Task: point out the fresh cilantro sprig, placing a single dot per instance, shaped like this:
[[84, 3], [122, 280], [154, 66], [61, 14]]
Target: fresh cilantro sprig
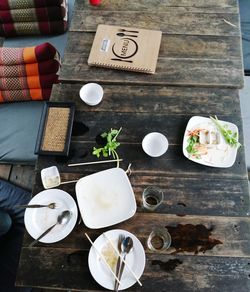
[[230, 137], [110, 147], [192, 141]]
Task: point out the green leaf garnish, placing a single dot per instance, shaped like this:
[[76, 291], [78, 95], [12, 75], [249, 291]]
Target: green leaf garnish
[[111, 146], [230, 137], [192, 141]]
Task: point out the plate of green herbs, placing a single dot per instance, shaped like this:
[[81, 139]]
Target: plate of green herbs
[[211, 142]]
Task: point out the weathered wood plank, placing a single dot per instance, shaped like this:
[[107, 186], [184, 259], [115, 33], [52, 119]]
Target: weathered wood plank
[[182, 196], [172, 46], [169, 71], [229, 6], [23, 176], [136, 126], [67, 269], [155, 100], [221, 69], [172, 164], [174, 21], [5, 170], [201, 235]]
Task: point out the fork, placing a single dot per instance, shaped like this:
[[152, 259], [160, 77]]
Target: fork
[[51, 206]]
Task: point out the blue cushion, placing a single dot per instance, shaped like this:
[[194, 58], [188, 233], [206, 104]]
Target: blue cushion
[[10, 244], [245, 29], [18, 131]]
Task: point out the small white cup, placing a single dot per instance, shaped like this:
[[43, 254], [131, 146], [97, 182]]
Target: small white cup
[[50, 177], [155, 144], [91, 93]]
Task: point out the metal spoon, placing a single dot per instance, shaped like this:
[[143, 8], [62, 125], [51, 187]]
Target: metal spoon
[[51, 206], [118, 264], [126, 246], [124, 30], [62, 219], [121, 34]]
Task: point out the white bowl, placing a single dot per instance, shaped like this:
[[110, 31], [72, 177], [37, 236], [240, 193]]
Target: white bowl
[[91, 93], [50, 177], [155, 144]]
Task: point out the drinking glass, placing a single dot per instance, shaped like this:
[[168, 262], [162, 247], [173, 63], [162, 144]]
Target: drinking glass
[[159, 239], [152, 197]]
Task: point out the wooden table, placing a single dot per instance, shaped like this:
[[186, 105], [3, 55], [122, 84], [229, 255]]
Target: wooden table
[[205, 209]]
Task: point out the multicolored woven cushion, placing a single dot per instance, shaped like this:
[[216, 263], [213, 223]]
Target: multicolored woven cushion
[[13, 29], [33, 17], [25, 94], [28, 73], [33, 14], [32, 69], [19, 4], [20, 56]]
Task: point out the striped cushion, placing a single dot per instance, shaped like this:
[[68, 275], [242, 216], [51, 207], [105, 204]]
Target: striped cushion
[[28, 73], [33, 17]]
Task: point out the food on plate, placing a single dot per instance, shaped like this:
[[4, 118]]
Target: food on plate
[[51, 182], [209, 137], [230, 137], [211, 142], [110, 255], [204, 141], [204, 137]]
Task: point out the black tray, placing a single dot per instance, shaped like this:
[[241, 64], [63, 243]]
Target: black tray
[[55, 129]]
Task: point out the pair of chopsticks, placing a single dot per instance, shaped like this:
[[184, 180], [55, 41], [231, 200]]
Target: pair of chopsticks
[[117, 252], [95, 162]]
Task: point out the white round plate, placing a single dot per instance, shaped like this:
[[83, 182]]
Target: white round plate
[[136, 260], [37, 220]]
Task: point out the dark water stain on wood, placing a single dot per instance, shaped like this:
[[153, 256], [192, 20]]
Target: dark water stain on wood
[[167, 266], [77, 258], [79, 129], [73, 157], [100, 140], [83, 154], [181, 204], [64, 159], [192, 238]]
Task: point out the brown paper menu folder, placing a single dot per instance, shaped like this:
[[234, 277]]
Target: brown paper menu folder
[[125, 48]]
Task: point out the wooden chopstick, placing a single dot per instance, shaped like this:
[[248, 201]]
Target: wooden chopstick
[[126, 264], [94, 162], [102, 257], [68, 182]]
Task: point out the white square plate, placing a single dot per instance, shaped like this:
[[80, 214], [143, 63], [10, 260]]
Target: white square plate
[[221, 155], [105, 198]]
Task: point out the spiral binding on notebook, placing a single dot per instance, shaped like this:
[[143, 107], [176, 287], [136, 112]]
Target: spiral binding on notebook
[[120, 67]]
